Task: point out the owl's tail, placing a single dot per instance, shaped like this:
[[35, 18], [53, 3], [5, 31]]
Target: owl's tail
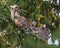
[[41, 33]]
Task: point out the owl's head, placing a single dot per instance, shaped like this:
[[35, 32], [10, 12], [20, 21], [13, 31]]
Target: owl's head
[[14, 8]]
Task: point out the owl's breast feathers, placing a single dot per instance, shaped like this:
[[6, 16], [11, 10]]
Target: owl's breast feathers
[[21, 20]]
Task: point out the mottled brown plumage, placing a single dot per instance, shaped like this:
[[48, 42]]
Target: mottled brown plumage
[[26, 23]]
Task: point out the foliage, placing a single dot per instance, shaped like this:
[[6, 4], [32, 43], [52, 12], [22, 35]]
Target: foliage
[[12, 36]]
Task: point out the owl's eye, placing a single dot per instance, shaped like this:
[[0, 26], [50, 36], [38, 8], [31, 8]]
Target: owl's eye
[[12, 8], [16, 7]]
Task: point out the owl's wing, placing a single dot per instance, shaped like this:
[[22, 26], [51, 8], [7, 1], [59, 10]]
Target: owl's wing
[[41, 33]]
